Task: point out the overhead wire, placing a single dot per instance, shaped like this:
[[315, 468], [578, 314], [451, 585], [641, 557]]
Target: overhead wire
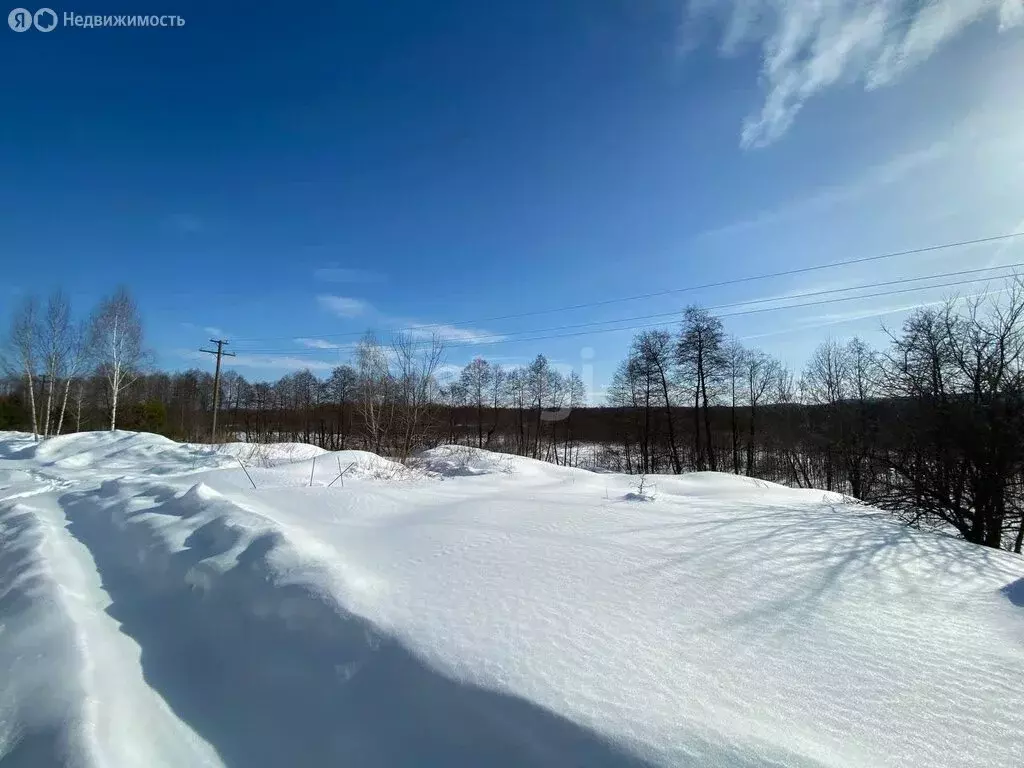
[[666, 292], [515, 336]]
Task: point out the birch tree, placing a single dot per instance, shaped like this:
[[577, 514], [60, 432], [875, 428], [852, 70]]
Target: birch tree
[[374, 383], [77, 360], [55, 350], [24, 342], [116, 337]]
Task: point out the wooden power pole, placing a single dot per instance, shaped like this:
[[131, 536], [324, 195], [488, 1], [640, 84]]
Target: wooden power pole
[[219, 352]]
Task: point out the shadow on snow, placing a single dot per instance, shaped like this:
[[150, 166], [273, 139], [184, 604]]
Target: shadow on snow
[[273, 674]]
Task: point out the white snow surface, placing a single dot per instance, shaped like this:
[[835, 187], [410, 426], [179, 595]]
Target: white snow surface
[[479, 609]]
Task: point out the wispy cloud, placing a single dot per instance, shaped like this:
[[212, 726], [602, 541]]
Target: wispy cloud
[[452, 333], [283, 362], [211, 330], [887, 174], [343, 306], [809, 45], [347, 275], [318, 344], [261, 362], [879, 311]]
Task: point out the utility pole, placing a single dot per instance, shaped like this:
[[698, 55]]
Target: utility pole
[[219, 352]]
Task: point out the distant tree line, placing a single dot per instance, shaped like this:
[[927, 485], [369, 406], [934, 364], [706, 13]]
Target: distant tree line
[[931, 427]]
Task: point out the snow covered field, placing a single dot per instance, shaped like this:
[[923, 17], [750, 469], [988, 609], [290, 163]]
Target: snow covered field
[[481, 610]]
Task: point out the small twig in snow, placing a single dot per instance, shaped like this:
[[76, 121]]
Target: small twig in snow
[[341, 476], [246, 472]]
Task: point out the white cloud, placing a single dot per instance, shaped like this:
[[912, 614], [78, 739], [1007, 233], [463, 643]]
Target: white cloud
[[343, 306], [318, 344], [212, 330], [810, 45], [346, 275], [284, 362], [288, 363], [453, 333]]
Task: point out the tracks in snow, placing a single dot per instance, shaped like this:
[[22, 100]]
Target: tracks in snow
[[190, 631]]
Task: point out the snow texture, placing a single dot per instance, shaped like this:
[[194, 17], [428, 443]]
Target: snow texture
[[478, 609]]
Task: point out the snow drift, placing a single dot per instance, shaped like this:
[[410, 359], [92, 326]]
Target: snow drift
[[481, 610]]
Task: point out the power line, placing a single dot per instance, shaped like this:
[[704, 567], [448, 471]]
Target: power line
[[670, 291], [503, 338], [733, 314]]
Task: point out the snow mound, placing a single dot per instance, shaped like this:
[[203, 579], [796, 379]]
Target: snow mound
[[363, 464], [243, 631], [264, 454], [138, 453], [165, 617], [467, 461]]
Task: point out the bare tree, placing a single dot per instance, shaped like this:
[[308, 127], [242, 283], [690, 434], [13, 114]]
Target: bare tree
[[116, 337], [498, 375], [24, 341], [761, 372], [342, 386], [655, 350], [735, 357], [701, 356], [476, 379], [575, 397], [77, 360], [517, 386], [539, 381], [631, 388], [954, 449], [828, 373], [374, 387], [56, 339], [416, 365]]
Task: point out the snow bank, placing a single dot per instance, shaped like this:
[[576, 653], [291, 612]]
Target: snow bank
[[517, 613], [467, 461], [244, 630], [263, 454], [138, 453]]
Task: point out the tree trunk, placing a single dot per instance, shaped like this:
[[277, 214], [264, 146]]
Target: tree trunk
[[78, 409], [32, 404], [712, 464], [63, 407], [698, 457], [49, 406], [115, 386], [646, 444], [676, 467], [735, 434], [750, 443]]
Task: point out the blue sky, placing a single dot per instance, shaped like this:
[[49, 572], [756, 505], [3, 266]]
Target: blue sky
[[289, 179]]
